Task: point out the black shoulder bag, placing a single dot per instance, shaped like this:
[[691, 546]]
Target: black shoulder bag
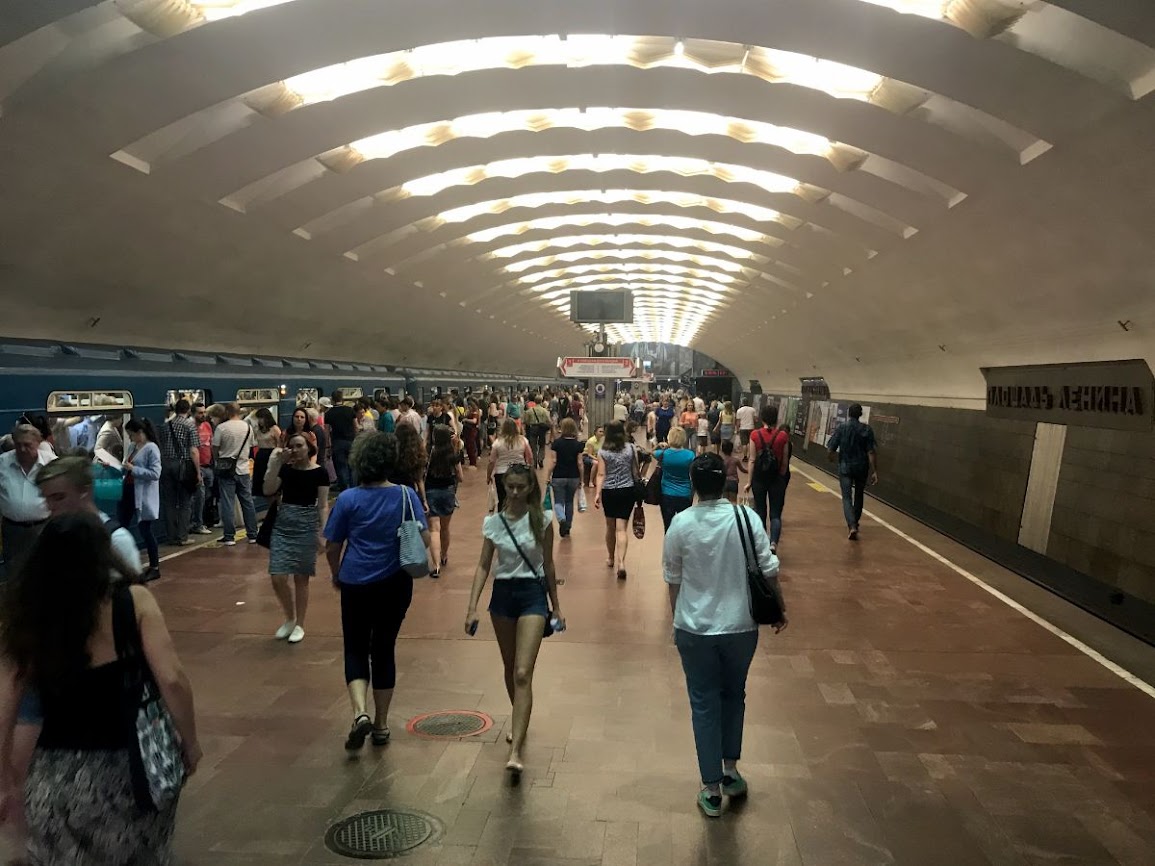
[[765, 599], [188, 473], [226, 467], [540, 578]]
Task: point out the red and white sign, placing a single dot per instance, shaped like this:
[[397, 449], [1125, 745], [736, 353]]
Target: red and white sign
[[597, 368]]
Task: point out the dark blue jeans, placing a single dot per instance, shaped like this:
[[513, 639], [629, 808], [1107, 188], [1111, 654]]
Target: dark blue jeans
[[564, 490], [341, 449], [716, 666], [853, 492], [769, 501]]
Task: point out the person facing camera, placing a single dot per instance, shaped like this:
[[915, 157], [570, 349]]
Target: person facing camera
[[705, 565]]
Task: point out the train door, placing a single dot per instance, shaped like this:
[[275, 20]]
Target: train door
[[81, 419]]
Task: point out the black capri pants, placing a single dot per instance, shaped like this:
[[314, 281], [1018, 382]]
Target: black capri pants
[[371, 617]]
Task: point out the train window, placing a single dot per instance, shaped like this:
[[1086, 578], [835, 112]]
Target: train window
[[70, 401], [352, 392], [381, 394], [193, 395], [258, 395], [308, 396]]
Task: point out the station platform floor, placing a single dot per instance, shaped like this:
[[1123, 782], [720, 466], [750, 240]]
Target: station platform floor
[[907, 715]]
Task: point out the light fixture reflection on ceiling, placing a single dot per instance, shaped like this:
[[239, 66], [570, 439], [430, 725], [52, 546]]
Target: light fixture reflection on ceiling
[[624, 240], [621, 280], [625, 253], [217, 10], [616, 220], [680, 270]]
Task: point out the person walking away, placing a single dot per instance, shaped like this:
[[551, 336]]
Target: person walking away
[[853, 445], [143, 467], [342, 428], [618, 473], [537, 426], [364, 556], [204, 494], [769, 460], [675, 459], [524, 586], [704, 562], [746, 419], [79, 796], [734, 468], [22, 508], [179, 445], [713, 418], [441, 480], [297, 531], [509, 449], [703, 432], [411, 463], [231, 441], [565, 474], [471, 427], [726, 423]]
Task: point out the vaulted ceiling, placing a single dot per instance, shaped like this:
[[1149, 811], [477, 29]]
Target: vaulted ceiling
[[892, 193]]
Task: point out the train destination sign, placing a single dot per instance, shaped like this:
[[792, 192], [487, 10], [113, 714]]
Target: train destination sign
[[1117, 395], [597, 368]]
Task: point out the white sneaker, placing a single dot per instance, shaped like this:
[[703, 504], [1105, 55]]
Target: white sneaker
[[285, 630], [298, 635], [204, 530]]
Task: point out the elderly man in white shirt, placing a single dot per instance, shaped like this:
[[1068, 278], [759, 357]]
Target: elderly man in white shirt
[[22, 508], [705, 566]]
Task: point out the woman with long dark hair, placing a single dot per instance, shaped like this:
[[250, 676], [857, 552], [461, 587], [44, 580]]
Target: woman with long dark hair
[[266, 437], [364, 555], [62, 622], [297, 532], [618, 471], [471, 425], [143, 466], [411, 462], [524, 585], [441, 480], [300, 423]]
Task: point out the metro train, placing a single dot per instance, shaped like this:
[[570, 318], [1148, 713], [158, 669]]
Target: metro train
[[75, 382]]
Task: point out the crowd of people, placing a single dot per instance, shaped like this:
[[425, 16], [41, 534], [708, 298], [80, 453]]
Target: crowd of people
[[74, 608]]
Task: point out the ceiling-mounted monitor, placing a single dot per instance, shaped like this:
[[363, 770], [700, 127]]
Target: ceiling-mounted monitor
[[602, 308]]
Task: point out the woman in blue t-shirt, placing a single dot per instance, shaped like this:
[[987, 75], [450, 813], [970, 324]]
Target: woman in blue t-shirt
[[675, 459], [365, 560]]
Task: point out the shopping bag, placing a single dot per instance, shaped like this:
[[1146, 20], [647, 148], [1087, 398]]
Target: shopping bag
[[491, 502], [547, 502], [582, 504], [414, 557], [639, 521]]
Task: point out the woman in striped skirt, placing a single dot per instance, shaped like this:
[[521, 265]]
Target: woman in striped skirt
[[301, 514]]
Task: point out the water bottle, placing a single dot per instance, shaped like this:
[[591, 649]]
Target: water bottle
[[557, 625]]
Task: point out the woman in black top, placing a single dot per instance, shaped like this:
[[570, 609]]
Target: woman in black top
[[60, 637], [565, 473], [297, 533], [441, 482]]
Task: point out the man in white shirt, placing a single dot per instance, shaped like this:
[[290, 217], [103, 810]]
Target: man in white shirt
[[699, 405], [746, 417], [66, 485], [22, 508], [621, 411], [232, 443], [410, 416]]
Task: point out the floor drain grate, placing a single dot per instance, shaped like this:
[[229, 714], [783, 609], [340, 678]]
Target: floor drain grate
[[450, 725], [380, 834]]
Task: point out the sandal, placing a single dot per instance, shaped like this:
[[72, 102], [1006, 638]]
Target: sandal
[[621, 574], [362, 725], [444, 561], [380, 736]]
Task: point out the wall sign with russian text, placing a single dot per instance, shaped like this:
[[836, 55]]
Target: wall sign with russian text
[[1117, 395]]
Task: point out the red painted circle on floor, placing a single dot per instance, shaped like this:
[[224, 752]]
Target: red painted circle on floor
[[449, 724]]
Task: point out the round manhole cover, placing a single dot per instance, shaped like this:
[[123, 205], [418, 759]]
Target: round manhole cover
[[380, 834], [450, 725]]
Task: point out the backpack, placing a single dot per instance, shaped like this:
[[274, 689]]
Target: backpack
[[513, 411], [766, 466]]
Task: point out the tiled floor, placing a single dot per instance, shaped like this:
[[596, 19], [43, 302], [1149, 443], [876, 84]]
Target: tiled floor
[[906, 716]]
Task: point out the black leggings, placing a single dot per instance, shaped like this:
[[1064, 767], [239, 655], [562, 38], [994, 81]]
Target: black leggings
[[145, 527], [371, 617]]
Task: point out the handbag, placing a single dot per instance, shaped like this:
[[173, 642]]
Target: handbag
[[265, 531], [226, 467], [411, 546], [654, 487], [639, 521], [157, 763], [765, 599], [491, 498], [548, 630]]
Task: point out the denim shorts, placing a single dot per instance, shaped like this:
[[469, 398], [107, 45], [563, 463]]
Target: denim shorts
[[518, 597], [442, 501]]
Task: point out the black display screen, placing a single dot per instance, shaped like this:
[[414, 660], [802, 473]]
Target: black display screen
[[613, 307]]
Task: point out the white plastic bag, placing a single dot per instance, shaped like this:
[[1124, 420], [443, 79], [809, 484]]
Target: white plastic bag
[[582, 504], [491, 503]]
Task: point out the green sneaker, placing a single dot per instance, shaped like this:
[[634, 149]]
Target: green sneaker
[[733, 785], [709, 803]]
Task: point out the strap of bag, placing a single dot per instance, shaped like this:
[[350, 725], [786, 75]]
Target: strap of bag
[[407, 511], [751, 561], [524, 558]]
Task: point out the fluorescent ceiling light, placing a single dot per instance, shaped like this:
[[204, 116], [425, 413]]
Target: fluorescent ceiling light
[[615, 220], [679, 270], [615, 196], [623, 280], [603, 162], [217, 10], [643, 52], [387, 144], [624, 253]]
